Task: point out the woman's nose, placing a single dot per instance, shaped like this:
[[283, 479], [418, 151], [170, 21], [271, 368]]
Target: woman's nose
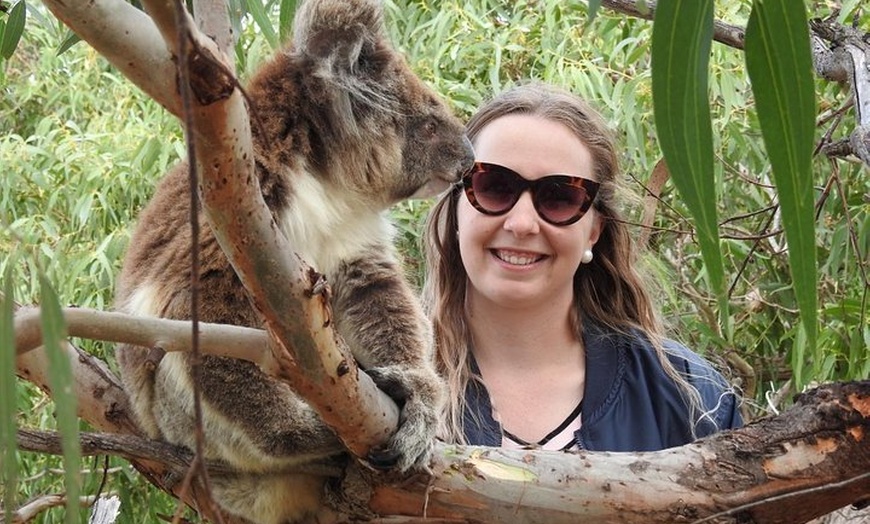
[[523, 219]]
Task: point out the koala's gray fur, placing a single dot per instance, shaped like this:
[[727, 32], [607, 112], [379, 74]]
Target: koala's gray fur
[[344, 130]]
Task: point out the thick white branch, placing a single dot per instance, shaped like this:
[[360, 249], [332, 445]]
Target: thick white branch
[[313, 359], [169, 335], [213, 19]]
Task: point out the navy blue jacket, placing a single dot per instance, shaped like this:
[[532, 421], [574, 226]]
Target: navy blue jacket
[[629, 403]]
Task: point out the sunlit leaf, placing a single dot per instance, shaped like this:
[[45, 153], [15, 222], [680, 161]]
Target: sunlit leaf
[[60, 380], [682, 37], [779, 63]]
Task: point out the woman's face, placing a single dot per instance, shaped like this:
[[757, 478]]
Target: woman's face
[[517, 260]]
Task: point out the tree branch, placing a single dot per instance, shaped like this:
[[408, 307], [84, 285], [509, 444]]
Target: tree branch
[[291, 296], [133, 447], [846, 58], [816, 455], [31, 510], [737, 469], [169, 335], [213, 19], [730, 35], [801, 456], [293, 299]]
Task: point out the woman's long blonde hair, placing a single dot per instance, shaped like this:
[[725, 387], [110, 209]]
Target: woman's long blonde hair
[[608, 291]]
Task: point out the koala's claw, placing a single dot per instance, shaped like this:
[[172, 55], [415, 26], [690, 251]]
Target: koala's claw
[[391, 382], [383, 458], [418, 394]]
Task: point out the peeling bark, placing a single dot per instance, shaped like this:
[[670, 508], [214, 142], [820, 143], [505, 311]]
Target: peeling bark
[[791, 468], [846, 58]]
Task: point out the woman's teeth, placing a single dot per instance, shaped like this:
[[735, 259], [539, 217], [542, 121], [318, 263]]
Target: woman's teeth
[[517, 259]]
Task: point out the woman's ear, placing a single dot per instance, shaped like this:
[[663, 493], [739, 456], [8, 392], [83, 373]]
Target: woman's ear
[[596, 228]]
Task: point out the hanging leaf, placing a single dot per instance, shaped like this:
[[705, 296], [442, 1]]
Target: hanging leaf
[[14, 29], [69, 40], [8, 444], [60, 380], [285, 18], [258, 12], [779, 63], [681, 41], [594, 5]]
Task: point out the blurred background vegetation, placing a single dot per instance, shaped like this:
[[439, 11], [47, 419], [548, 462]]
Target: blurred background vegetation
[[81, 150]]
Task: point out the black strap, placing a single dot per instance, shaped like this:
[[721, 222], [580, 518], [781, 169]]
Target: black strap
[[574, 414]]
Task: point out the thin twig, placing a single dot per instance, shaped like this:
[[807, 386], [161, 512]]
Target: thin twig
[[197, 468], [749, 255], [723, 33]]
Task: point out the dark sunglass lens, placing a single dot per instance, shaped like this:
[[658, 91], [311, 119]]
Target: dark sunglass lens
[[495, 190], [560, 203]]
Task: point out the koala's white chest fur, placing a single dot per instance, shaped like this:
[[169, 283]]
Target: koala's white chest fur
[[326, 226]]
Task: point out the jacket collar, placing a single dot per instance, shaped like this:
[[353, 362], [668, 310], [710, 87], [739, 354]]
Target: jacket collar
[[605, 366]]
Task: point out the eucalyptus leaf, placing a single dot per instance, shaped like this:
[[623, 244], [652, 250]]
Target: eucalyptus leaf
[[285, 18], [13, 30], [68, 41], [257, 9], [779, 63], [60, 380], [592, 11], [8, 444], [682, 37]]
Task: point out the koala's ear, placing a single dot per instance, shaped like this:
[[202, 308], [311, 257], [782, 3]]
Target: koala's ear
[[338, 33]]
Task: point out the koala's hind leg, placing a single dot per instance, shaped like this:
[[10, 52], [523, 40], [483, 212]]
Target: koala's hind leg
[[270, 499], [252, 421]]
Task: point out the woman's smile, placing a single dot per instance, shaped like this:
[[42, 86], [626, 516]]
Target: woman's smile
[[517, 258]]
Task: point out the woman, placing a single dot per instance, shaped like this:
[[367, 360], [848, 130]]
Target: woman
[[544, 330]]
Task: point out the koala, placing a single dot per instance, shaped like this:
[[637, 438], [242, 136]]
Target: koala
[[343, 130]]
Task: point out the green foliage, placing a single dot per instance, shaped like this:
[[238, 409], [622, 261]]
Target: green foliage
[[81, 152], [258, 11], [11, 29]]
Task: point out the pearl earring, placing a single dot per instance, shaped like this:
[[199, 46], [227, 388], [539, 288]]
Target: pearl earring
[[587, 257]]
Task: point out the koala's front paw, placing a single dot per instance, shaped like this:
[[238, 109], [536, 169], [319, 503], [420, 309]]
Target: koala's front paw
[[419, 394]]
